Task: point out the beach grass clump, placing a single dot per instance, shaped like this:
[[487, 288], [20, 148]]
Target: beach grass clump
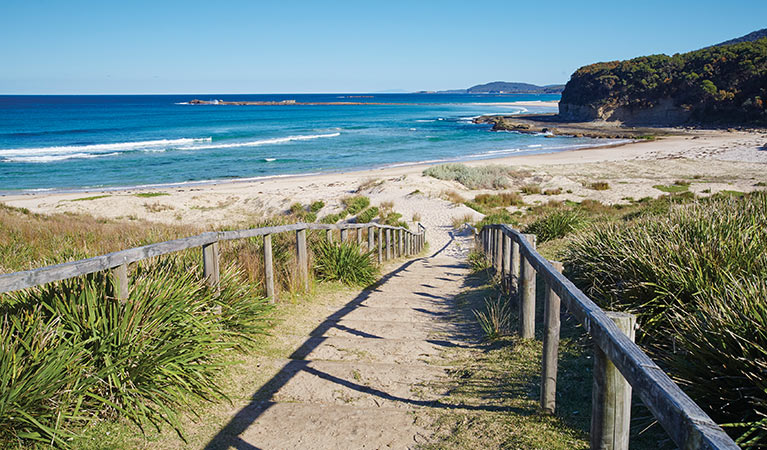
[[453, 196], [553, 191], [355, 204], [530, 189], [478, 262], [368, 215], [556, 224], [85, 199], [345, 262], [332, 218], [599, 186], [495, 319], [142, 359], [316, 206], [498, 200], [476, 177], [695, 277], [150, 194]]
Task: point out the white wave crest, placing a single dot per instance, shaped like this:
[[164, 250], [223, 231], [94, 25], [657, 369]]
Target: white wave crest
[[260, 142], [53, 158], [101, 148]]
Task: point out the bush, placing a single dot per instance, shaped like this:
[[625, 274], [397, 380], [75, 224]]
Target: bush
[[345, 262], [332, 218], [599, 186], [368, 215], [315, 207], [142, 359], [695, 277], [355, 204], [531, 189], [481, 177], [556, 191], [498, 200], [556, 225], [478, 261]]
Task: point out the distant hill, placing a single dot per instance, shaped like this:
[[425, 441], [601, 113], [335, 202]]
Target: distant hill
[[504, 87], [726, 83], [750, 37]]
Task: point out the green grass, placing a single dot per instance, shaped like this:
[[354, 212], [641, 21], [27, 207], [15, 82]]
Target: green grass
[[531, 189], [84, 199], [355, 204], [599, 186], [557, 224], [368, 215], [345, 262], [672, 188], [694, 273], [150, 194]]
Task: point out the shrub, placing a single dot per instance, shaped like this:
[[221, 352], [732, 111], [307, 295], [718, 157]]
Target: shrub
[[502, 216], [556, 191], [368, 215], [478, 261], [453, 196], [297, 209], [556, 224], [331, 218], [531, 189], [315, 207], [480, 177], [345, 262], [498, 200], [599, 186], [355, 204], [695, 278]]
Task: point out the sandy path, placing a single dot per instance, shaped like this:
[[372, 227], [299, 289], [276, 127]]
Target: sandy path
[[364, 377]]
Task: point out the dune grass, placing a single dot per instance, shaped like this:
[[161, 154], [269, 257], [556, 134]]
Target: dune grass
[[476, 177], [695, 276]]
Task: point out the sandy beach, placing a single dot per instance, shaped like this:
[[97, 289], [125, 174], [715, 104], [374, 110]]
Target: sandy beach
[[712, 160]]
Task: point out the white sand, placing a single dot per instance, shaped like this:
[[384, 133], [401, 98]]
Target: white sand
[[712, 160]]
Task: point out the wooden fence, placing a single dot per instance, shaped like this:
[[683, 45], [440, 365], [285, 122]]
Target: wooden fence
[[515, 259], [399, 241]]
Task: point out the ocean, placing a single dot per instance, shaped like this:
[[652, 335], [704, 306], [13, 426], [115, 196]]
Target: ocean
[[71, 143]]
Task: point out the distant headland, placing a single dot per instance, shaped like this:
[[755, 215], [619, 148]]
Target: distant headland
[[286, 102], [503, 87]]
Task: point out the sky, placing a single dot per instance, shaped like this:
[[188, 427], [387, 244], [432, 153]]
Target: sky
[[254, 46]]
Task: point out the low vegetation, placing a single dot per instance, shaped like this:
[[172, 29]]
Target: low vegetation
[[74, 354], [345, 262], [556, 224], [476, 177], [599, 186]]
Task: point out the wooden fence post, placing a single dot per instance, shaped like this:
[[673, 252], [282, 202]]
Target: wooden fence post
[[527, 299], [269, 267], [611, 395], [371, 239], [380, 245], [210, 263], [498, 250], [388, 244], [515, 267], [549, 360], [506, 263], [120, 277], [329, 235], [302, 258], [359, 237], [344, 235], [401, 243]]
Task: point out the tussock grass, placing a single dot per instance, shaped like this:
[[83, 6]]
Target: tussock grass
[[479, 177], [499, 200], [368, 215], [495, 319], [345, 262], [599, 186], [453, 196], [556, 224], [355, 204], [695, 276], [150, 194], [531, 189]]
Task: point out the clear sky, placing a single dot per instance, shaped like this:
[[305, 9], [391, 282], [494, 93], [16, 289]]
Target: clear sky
[[253, 46]]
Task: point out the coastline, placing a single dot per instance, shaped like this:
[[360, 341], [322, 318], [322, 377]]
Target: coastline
[[711, 160]]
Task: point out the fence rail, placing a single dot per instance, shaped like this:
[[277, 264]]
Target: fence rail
[[514, 257], [408, 243]]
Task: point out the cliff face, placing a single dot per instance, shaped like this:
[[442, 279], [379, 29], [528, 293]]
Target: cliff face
[[726, 83]]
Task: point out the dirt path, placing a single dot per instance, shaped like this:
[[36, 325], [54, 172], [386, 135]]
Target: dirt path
[[367, 374]]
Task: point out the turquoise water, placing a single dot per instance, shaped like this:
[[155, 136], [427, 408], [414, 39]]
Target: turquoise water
[[95, 142]]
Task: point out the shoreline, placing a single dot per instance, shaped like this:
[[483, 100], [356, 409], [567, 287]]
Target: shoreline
[[394, 165], [711, 161]]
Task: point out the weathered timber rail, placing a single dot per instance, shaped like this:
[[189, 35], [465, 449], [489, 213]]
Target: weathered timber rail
[[405, 243], [515, 259]]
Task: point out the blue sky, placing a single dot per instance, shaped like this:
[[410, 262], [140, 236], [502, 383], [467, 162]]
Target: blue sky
[[230, 46]]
